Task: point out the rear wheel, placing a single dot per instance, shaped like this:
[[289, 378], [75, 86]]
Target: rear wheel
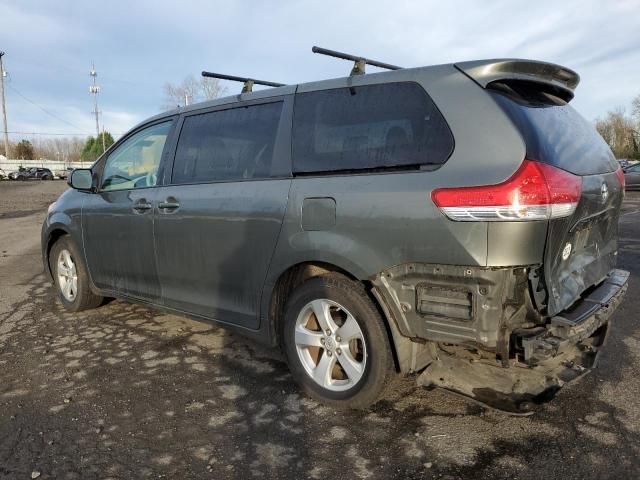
[[70, 276], [336, 343]]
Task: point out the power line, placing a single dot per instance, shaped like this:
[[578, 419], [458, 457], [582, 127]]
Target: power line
[[43, 109], [47, 133], [77, 70], [57, 133]]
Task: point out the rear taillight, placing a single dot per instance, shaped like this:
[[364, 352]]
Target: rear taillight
[[620, 175], [537, 191]]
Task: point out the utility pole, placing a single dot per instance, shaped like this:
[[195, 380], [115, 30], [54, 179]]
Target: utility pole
[[4, 107], [95, 90], [104, 148]]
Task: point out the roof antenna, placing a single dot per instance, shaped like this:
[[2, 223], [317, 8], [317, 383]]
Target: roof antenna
[[248, 82], [359, 62]]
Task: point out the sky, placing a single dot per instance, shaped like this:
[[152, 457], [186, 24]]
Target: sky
[[139, 45]]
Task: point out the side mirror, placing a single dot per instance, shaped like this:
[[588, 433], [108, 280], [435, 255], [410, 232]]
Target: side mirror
[[81, 179]]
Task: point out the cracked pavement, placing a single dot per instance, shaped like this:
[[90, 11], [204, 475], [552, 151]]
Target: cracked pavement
[[127, 392]]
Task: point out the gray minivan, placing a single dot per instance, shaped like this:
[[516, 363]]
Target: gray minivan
[[458, 221]]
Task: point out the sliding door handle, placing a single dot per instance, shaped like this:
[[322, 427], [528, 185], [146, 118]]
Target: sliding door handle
[[169, 205], [142, 206]]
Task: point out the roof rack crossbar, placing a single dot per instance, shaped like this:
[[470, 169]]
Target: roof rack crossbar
[[359, 62], [248, 82]]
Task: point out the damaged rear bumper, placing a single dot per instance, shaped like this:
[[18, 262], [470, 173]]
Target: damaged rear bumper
[[575, 325], [548, 357]]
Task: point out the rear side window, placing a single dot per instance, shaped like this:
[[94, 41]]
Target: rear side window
[[367, 128], [226, 145]]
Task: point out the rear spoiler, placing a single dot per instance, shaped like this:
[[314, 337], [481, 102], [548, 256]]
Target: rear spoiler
[[485, 72]]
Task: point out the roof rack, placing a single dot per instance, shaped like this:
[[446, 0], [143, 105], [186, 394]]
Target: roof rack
[[359, 62], [248, 82]]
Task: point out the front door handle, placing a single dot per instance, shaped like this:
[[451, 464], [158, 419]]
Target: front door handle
[[142, 206], [169, 205]]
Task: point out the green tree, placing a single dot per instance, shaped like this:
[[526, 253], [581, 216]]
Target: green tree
[[87, 150], [24, 150], [93, 147]]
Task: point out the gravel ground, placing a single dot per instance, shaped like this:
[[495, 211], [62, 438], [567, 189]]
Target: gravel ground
[[127, 392]]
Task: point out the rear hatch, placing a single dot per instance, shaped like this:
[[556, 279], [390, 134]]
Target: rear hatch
[[581, 248]]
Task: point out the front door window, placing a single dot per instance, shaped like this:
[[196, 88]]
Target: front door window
[[135, 163]]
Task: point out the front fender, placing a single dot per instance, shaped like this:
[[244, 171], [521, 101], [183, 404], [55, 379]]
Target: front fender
[[50, 233], [63, 218]]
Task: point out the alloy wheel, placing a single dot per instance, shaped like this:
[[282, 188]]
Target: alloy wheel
[[67, 275], [330, 345]]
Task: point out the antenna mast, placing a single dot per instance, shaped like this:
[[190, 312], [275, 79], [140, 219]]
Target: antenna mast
[[94, 89]]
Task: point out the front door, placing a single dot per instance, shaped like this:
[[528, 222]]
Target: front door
[[218, 222], [117, 221]]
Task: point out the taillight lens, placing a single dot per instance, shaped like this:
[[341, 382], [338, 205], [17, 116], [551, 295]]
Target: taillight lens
[[620, 175], [537, 191]]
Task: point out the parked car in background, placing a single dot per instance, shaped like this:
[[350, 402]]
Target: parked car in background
[[3, 175], [632, 177], [14, 175], [64, 173], [426, 220], [33, 173]]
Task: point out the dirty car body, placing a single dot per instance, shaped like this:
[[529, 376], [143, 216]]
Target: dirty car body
[[471, 202]]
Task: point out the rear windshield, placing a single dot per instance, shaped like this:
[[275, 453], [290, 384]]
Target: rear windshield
[[557, 134], [393, 125]]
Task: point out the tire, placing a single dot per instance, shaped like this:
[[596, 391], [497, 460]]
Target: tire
[[367, 353], [82, 298]]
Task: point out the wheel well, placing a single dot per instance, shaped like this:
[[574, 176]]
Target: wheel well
[[289, 280], [54, 236], [294, 276]]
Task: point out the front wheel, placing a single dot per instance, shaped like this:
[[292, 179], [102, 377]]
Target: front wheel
[[336, 343], [70, 276]]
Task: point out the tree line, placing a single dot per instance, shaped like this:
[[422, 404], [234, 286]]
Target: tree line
[[621, 131], [63, 149]]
